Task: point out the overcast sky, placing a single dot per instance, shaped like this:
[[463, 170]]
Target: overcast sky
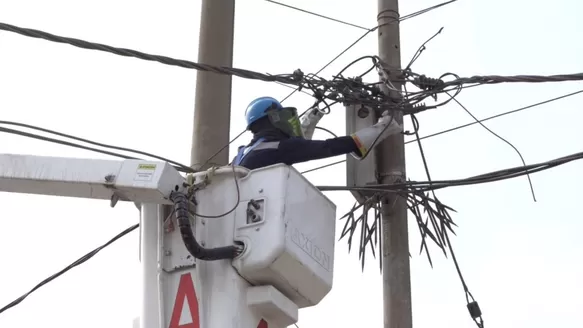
[[521, 259]]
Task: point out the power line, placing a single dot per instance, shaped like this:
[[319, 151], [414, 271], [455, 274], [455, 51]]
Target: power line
[[466, 125], [289, 78], [497, 136], [319, 15], [182, 167], [78, 262], [425, 186], [498, 115], [494, 79], [177, 166], [295, 79], [442, 233], [339, 89], [323, 166], [371, 30], [426, 10]]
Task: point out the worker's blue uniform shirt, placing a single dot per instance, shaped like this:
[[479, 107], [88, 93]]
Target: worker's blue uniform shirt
[[290, 151]]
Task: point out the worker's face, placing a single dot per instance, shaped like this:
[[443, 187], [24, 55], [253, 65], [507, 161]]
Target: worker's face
[[286, 120]]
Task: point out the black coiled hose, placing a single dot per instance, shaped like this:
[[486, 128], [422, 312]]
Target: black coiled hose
[[207, 254]]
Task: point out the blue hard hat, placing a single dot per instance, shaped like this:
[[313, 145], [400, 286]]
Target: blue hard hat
[[258, 108]]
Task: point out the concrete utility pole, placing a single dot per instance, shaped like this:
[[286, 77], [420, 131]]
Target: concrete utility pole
[[212, 112], [390, 155]]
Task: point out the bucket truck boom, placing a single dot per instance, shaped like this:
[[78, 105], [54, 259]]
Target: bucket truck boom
[[223, 248]]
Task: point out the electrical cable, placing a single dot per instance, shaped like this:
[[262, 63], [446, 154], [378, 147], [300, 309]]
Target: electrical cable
[[499, 137], [371, 30], [338, 56], [318, 15], [62, 142], [298, 78], [468, 124], [220, 150], [471, 303], [323, 166], [291, 79], [498, 115], [181, 205], [494, 79], [326, 130], [78, 262], [330, 62], [499, 175], [426, 10], [183, 167], [232, 209], [476, 315]]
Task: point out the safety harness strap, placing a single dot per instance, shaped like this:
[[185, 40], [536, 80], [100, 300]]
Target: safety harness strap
[[259, 144]]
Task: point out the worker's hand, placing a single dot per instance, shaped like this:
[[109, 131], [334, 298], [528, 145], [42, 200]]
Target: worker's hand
[[389, 124], [386, 118], [316, 112]]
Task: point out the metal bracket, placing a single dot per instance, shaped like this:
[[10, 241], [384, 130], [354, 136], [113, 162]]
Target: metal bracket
[[255, 211]]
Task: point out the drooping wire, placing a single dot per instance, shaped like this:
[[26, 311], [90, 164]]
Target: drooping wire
[[78, 262], [498, 115], [237, 188], [499, 137], [326, 130]]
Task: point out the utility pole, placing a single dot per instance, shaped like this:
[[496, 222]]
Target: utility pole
[[390, 166], [212, 112]]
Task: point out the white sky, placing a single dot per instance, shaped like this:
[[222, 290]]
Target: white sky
[[519, 258]]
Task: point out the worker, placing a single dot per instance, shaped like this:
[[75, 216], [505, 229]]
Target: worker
[[279, 137]]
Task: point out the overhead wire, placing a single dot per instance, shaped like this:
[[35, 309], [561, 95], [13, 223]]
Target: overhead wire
[[89, 255], [468, 124], [499, 175], [316, 14], [372, 30], [443, 234], [78, 262], [177, 165], [458, 90], [439, 86], [499, 137], [333, 60], [498, 115], [333, 90]]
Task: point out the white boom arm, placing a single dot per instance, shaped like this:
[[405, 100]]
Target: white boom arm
[[284, 227], [129, 180]]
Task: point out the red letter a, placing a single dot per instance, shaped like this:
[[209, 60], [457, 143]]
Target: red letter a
[[262, 324], [185, 291]]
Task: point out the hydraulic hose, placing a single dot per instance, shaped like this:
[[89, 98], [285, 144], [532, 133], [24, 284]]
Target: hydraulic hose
[[194, 248]]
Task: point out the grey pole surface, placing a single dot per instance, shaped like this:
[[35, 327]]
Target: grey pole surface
[[390, 168], [212, 106]]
